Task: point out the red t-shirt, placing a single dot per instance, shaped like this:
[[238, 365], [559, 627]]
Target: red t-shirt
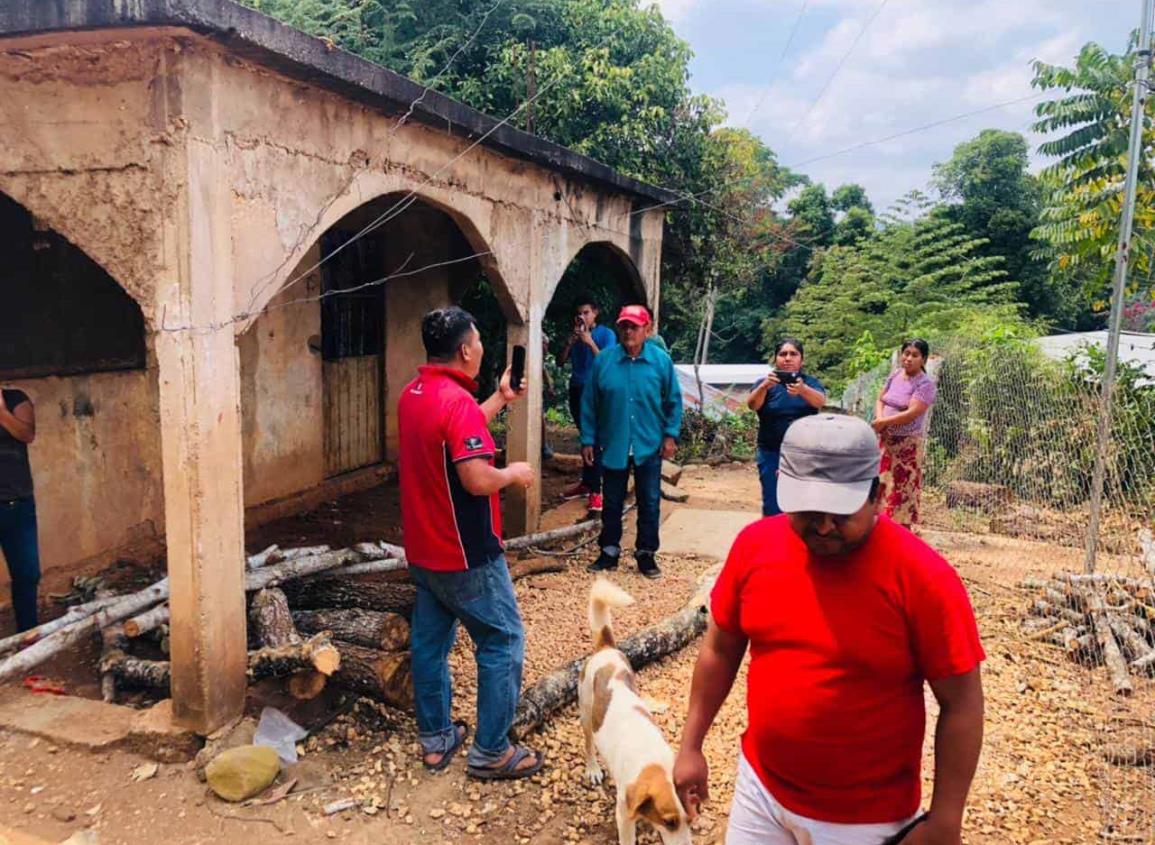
[[440, 424], [839, 651]]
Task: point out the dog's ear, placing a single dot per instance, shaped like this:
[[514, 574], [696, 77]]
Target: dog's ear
[[652, 797]]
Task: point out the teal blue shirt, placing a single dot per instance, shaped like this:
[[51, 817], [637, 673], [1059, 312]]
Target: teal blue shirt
[[630, 404]]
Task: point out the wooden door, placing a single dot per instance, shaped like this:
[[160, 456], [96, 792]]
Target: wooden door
[[353, 347]]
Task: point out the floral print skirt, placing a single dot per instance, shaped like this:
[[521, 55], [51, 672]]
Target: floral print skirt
[[901, 474]]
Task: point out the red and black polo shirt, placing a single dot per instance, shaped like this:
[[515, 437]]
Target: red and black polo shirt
[[447, 529]]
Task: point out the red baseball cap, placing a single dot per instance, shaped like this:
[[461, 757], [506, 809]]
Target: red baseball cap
[[636, 314]]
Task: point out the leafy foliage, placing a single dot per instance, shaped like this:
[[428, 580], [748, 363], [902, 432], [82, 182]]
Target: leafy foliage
[[1083, 190], [915, 277]]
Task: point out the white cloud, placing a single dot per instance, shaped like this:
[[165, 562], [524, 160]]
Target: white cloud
[[919, 62]]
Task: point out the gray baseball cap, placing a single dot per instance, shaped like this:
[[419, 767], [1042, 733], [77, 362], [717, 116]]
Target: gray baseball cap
[[828, 464]]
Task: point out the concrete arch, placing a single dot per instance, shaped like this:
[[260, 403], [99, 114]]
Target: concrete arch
[[638, 284], [472, 216], [63, 225]]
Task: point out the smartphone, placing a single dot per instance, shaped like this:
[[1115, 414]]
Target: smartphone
[[787, 378], [517, 368]]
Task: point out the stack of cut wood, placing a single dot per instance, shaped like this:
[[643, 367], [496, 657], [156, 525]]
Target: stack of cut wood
[[316, 616], [1101, 619]]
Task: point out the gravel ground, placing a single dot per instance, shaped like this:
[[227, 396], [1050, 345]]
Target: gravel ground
[[1041, 779]]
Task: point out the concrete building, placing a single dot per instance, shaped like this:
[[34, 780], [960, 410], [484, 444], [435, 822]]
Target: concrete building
[[187, 185]]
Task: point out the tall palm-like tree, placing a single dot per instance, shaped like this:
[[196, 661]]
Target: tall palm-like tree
[[1088, 134]]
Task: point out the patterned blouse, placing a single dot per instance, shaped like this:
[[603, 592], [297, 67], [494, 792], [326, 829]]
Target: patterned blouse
[[897, 396]]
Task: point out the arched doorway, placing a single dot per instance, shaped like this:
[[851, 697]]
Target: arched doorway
[[75, 342], [321, 368]]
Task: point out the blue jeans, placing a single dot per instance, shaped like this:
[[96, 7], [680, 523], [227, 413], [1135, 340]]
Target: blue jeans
[[647, 492], [482, 599], [768, 475], [591, 475], [22, 551]]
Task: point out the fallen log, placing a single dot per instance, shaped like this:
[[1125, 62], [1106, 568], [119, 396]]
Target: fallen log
[[988, 498], [304, 551], [270, 555], [150, 620], [368, 628], [271, 621], [368, 567], [74, 614], [113, 645], [565, 533], [559, 688], [383, 597], [1112, 656], [375, 674], [316, 654], [122, 608]]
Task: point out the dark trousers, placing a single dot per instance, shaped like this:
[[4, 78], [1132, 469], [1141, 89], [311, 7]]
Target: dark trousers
[[647, 492], [592, 475], [22, 551]]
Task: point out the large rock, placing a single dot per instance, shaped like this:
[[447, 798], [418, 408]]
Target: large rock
[[240, 773], [673, 494], [671, 472], [238, 733], [988, 498]]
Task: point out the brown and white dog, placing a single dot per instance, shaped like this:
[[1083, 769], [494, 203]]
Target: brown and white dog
[[617, 721]]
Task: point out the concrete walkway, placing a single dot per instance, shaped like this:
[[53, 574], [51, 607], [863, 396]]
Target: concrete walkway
[[703, 532]]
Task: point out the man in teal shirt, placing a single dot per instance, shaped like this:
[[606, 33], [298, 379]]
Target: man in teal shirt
[[632, 411]]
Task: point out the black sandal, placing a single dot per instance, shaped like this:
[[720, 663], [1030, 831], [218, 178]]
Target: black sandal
[[461, 730], [509, 769]]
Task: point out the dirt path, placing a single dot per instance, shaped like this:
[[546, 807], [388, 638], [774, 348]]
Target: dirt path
[[1040, 780]]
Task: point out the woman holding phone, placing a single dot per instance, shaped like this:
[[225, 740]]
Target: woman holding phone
[[785, 395], [900, 420]]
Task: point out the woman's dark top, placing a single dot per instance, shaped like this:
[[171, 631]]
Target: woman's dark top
[[15, 471], [779, 410]]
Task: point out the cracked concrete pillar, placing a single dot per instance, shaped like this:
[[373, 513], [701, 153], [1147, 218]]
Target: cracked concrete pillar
[[523, 437], [201, 450]]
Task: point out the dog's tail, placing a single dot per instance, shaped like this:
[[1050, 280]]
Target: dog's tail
[[603, 595]]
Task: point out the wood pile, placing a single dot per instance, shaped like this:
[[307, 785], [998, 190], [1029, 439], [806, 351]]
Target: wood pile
[[316, 617], [1101, 619]]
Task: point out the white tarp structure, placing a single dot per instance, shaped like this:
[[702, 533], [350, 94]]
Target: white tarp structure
[[1135, 348], [724, 386]]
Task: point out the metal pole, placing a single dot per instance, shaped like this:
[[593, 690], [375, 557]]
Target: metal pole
[[1122, 267]]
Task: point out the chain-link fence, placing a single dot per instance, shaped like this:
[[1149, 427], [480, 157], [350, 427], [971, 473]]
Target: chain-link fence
[[1010, 457]]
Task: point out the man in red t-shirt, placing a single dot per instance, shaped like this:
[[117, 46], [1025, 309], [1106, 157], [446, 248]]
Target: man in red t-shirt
[[845, 614], [451, 518]]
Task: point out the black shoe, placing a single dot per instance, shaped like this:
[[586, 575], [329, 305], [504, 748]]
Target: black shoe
[[647, 566], [604, 563]]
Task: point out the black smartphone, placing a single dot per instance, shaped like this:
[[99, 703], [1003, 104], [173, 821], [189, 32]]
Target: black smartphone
[[517, 368], [787, 378]]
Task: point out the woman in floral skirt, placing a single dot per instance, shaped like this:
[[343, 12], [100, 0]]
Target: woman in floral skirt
[[900, 416]]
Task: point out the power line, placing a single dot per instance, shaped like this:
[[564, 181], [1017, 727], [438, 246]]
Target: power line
[[781, 57], [915, 130], [841, 63]]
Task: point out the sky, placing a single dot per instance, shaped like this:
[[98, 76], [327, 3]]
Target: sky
[[814, 77]]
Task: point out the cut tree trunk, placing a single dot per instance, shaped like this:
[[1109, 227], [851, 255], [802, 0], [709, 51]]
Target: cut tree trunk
[[559, 688], [38, 652], [74, 614], [113, 645], [368, 628], [383, 597], [1112, 656], [271, 621], [316, 654], [150, 620], [375, 674], [989, 498], [553, 536]]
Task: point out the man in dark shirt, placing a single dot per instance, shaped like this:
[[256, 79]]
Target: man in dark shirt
[[18, 538]]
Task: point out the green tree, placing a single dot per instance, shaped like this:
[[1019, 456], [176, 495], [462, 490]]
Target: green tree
[[813, 213], [1088, 128], [922, 276], [991, 192], [847, 197]]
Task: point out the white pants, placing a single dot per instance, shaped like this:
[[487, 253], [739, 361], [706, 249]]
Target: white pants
[[756, 818]]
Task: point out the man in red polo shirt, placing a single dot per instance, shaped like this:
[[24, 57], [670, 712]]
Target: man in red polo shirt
[[451, 517], [846, 614]]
